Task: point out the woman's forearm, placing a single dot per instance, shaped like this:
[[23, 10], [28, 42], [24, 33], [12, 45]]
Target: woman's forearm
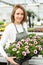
[[2, 52]]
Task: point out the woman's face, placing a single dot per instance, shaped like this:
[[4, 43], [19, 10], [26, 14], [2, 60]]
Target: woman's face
[[18, 16]]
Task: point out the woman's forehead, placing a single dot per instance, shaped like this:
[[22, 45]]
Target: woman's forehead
[[19, 10]]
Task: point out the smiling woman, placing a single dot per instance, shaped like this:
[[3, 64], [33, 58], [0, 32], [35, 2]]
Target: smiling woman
[[15, 31]]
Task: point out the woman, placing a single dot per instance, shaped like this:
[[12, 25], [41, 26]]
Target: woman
[[14, 31]]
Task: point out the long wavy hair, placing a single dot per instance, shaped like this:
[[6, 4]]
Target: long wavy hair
[[14, 10]]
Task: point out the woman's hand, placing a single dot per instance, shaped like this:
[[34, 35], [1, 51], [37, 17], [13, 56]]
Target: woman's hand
[[10, 59]]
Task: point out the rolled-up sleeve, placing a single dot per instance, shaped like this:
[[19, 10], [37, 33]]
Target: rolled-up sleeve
[[3, 41], [2, 52]]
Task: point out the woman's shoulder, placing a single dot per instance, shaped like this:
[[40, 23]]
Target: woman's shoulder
[[25, 24], [9, 26]]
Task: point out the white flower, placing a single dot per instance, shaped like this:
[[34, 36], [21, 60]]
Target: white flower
[[17, 51]]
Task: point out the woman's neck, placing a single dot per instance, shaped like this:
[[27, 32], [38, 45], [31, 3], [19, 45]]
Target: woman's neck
[[16, 23]]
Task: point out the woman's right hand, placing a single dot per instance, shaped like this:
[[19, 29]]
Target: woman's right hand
[[11, 60]]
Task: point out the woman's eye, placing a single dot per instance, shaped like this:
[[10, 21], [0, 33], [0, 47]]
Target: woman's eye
[[20, 13]]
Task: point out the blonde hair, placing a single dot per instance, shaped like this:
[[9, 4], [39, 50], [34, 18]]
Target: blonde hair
[[14, 10]]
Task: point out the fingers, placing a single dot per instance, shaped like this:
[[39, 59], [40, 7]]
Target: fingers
[[17, 64], [10, 59]]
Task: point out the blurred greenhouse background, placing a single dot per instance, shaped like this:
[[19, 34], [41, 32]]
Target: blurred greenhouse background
[[34, 9]]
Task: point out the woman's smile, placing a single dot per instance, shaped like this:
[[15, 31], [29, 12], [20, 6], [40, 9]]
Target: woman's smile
[[19, 15]]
